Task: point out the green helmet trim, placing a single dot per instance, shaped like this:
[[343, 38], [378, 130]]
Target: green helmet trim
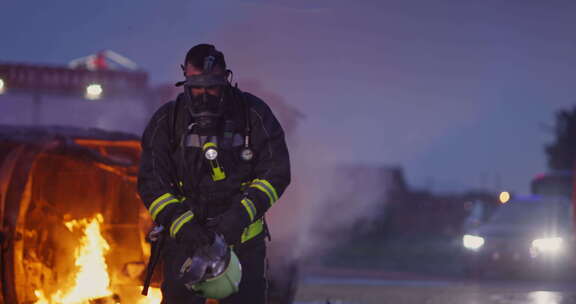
[[225, 284]]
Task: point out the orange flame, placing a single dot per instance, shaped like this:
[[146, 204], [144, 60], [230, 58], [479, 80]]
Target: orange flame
[[91, 279], [154, 296]]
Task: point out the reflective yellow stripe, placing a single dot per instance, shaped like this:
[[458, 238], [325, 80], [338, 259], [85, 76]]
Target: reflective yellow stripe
[[208, 145], [244, 185], [259, 187], [160, 203], [270, 187], [264, 186], [156, 201], [218, 173], [181, 220], [249, 205], [253, 230]]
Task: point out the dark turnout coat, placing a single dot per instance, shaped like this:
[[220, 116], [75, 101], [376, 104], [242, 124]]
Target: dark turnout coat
[[174, 167]]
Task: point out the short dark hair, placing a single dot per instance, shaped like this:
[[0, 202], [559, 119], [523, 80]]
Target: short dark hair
[[198, 53]]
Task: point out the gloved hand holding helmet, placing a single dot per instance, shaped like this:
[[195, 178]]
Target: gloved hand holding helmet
[[231, 223], [188, 231], [213, 271]]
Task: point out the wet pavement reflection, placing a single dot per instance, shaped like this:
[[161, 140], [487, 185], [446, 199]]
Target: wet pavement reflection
[[318, 290]]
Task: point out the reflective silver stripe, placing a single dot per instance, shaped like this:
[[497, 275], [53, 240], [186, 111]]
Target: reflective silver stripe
[[179, 222], [267, 188], [249, 205], [158, 199], [160, 203]]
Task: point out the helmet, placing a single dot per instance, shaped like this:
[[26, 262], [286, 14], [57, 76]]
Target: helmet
[[214, 271], [206, 109], [223, 285]]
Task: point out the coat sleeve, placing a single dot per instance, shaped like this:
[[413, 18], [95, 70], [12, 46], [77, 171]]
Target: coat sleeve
[[156, 177], [272, 162]]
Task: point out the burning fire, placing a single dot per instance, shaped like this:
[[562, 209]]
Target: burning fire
[[154, 296], [91, 280]]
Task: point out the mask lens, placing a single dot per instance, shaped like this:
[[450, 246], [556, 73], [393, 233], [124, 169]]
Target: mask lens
[[201, 90]]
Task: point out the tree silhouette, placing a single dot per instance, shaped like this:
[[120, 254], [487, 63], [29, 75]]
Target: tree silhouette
[[562, 152]]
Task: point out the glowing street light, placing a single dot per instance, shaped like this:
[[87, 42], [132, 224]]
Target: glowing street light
[[504, 197], [2, 86], [93, 91]]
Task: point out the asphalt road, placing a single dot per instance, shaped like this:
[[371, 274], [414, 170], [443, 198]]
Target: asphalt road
[[349, 287]]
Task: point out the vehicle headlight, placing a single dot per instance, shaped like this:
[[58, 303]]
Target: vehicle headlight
[[472, 241], [553, 244], [2, 86]]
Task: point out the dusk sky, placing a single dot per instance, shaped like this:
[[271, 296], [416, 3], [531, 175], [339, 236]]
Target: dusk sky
[[457, 92]]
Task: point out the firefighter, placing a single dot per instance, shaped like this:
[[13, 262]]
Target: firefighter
[[213, 162]]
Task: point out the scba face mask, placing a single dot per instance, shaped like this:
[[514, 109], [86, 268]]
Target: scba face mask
[[206, 109]]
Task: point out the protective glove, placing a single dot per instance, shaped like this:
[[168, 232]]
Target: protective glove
[[231, 223], [187, 230]]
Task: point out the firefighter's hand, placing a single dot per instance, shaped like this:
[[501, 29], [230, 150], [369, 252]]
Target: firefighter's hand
[[155, 233], [192, 234], [230, 224]]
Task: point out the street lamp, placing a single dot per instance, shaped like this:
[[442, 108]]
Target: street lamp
[[504, 197], [93, 91]]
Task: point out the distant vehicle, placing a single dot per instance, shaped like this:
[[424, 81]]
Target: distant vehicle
[[557, 183], [554, 183], [531, 234]]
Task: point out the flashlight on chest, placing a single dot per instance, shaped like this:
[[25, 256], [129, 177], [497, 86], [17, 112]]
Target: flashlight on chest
[[210, 151]]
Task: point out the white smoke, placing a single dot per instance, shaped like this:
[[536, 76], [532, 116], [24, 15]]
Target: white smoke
[[325, 204], [327, 199]]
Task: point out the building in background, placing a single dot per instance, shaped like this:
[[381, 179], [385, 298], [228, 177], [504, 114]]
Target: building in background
[[105, 91]]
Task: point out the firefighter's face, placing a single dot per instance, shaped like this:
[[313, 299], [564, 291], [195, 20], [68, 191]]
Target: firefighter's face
[[215, 90]]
